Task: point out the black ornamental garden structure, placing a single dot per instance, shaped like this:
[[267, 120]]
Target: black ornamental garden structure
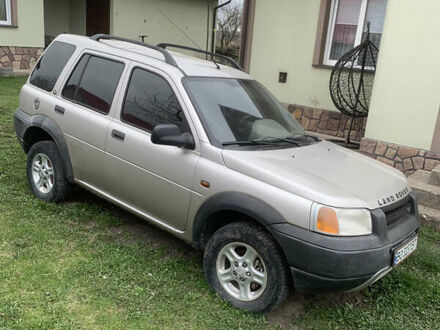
[[351, 82]]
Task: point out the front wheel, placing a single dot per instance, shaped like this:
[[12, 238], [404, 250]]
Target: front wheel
[[244, 264]]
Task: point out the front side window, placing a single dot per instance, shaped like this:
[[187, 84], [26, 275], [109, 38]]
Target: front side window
[[52, 62], [93, 82], [242, 111], [348, 26], [150, 101], [5, 12]]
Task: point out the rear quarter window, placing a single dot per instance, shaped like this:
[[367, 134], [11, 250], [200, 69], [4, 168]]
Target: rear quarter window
[[52, 62]]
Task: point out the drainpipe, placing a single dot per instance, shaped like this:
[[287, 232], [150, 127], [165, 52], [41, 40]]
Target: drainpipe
[[214, 23], [207, 26]]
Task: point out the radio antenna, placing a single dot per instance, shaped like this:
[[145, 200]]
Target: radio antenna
[[179, 28]]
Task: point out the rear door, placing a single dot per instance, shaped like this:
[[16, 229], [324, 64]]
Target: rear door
[[155, 179], [82, 110]]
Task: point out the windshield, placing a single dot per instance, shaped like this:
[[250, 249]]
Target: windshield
[[235, 110]]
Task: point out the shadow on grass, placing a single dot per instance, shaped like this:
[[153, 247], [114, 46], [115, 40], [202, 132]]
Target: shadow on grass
[[133, 230]]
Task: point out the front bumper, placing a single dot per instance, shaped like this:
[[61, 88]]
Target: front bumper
[[327, 263]]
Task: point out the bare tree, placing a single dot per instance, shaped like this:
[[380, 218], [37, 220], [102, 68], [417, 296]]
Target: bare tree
[[229, 22]]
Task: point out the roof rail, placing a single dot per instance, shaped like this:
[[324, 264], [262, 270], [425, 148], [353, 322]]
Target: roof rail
[[168, 58], [229, 60]]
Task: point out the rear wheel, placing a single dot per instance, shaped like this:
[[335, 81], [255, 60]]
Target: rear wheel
[[46, 173], [244, 264]]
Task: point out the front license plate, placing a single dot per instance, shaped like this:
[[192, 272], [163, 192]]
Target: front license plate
[[405, 251]]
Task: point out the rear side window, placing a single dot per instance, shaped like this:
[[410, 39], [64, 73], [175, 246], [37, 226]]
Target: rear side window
[[93, 82], [49, 68], [71, 86], [150, 101]]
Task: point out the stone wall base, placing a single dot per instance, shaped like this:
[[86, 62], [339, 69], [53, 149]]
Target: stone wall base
[[406, 159], [327, 122], [18, 59]]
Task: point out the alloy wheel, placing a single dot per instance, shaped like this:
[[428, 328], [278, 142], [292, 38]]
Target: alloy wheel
[[241, 271]]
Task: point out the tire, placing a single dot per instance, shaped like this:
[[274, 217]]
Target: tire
[[259, 259], [46, 173]]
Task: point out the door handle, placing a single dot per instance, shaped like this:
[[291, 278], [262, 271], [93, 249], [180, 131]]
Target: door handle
[[118, 135], [59, 110]]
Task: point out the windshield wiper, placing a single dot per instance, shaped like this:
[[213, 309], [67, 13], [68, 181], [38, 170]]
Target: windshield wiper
[[303, 137], [273, 141], [246, 143], [287, 140]]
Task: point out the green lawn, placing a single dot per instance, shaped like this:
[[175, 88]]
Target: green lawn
[[88, 264]]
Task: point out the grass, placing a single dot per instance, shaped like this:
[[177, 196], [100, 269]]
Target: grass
[[88, 264]]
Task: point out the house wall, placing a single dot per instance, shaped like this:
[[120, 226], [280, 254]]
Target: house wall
[[64, 16], [77, 17], [405, 100], [406, 94], [284, 40], [21, 45], [131, 18], [56, 17], [29, 32], [39, 21]]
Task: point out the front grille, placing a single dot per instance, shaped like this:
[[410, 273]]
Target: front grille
[[395, 215]]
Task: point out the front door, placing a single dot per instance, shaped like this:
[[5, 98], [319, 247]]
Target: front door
[[97, 17], [154, 179]]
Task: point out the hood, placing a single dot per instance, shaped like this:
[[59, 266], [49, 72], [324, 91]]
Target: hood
[[323, 172]]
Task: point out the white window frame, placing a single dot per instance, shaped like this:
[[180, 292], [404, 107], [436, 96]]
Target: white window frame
[[8, 13], [331, 29]]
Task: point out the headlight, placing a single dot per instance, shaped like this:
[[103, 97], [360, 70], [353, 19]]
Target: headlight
[[341, 222]]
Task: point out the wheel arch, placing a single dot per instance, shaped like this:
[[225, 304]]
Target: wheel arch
[[42, 128], [33, 135], [227, 207]]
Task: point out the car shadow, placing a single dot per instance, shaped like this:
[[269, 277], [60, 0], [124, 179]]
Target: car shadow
[[133, 230]]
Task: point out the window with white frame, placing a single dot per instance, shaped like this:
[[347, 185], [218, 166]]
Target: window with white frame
[[5, 12], [348, 26]]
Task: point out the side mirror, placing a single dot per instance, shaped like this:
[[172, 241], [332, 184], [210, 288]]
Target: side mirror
[[170, 135]]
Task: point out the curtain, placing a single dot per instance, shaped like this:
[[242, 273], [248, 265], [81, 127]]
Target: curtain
[[346, 25]]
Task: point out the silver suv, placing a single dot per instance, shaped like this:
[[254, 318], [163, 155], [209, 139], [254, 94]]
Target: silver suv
[[205, 152]]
